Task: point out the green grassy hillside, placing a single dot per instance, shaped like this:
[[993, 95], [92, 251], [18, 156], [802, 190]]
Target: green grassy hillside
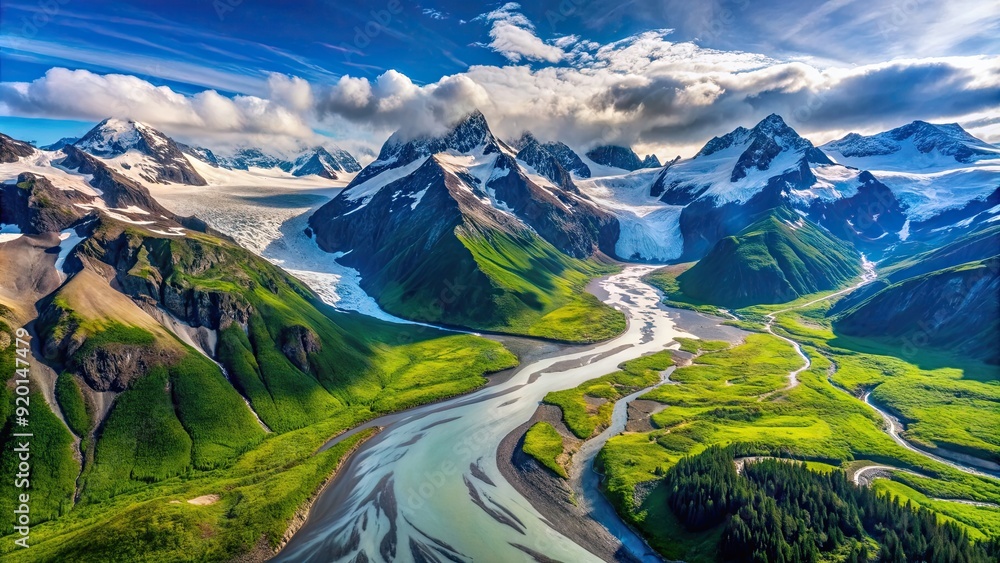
[[488, 279], [776, 259], [182, 425]]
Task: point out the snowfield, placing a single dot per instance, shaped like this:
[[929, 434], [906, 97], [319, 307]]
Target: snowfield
[[650, 229], [271, 222]]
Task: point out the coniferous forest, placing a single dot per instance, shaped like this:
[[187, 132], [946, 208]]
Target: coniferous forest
[[779, 511]]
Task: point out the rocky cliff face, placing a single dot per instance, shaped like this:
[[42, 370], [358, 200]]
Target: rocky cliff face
[[36, 206], [872, 218], [487, 168], [11, 149], [321, 162], [117, 190], [616, 157]]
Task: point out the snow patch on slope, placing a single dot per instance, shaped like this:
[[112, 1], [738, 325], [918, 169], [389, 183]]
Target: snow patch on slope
[[9, 233], [45, 163]]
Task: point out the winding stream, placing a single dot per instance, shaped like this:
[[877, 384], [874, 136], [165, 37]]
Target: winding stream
[[585, 480], [892, 426], [894, 429], [428, 486]]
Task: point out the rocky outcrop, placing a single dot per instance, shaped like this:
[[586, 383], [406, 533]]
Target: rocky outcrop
[[574, 225], [532, 153], [11, 150], [36, 206], [117, 190], [297, 343], [616, 157], [871, 219]]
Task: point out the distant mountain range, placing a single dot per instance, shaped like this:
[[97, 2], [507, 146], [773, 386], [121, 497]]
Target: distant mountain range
[[509, 219], [146, 154]]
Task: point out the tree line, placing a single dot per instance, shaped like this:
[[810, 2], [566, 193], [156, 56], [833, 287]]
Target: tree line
[[781, 512]]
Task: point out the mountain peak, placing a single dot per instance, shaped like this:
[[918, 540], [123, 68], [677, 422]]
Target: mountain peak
[[616, 156], [773, 121], [165, 162], [113, 137], [947, 139]]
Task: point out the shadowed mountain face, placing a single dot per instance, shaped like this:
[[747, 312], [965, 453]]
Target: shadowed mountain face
[[618, 157], [11, 149], [955, 309]]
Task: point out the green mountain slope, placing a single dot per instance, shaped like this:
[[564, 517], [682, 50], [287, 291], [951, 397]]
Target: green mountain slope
[[776, 259], [184, 366], [451, 259]]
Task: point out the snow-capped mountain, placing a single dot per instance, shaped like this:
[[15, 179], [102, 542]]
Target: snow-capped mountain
[[933, 141], [147, 154], [246, 157], [321, 162], [317, 161], [412, 220], [930, 168], [739, 164], [544, 156], [651, 161], [62, 191], [60, 143], [535, 155], [486, 167], [201, 153]]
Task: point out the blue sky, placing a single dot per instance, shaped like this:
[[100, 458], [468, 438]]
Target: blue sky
[[659, 73]]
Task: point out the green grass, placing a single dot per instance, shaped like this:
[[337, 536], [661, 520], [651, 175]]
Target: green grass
[[486, 279], [260, 493], [776, 259], [953, 309], [944, 400], [718, 401], [544, 443], [665, 279], [53, 469], [543, 290], [75, 410], [182, 430], [584, 420], [142, 441], [979, 522]]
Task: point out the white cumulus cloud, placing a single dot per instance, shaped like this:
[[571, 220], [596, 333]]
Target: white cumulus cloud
[[513, 36]]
